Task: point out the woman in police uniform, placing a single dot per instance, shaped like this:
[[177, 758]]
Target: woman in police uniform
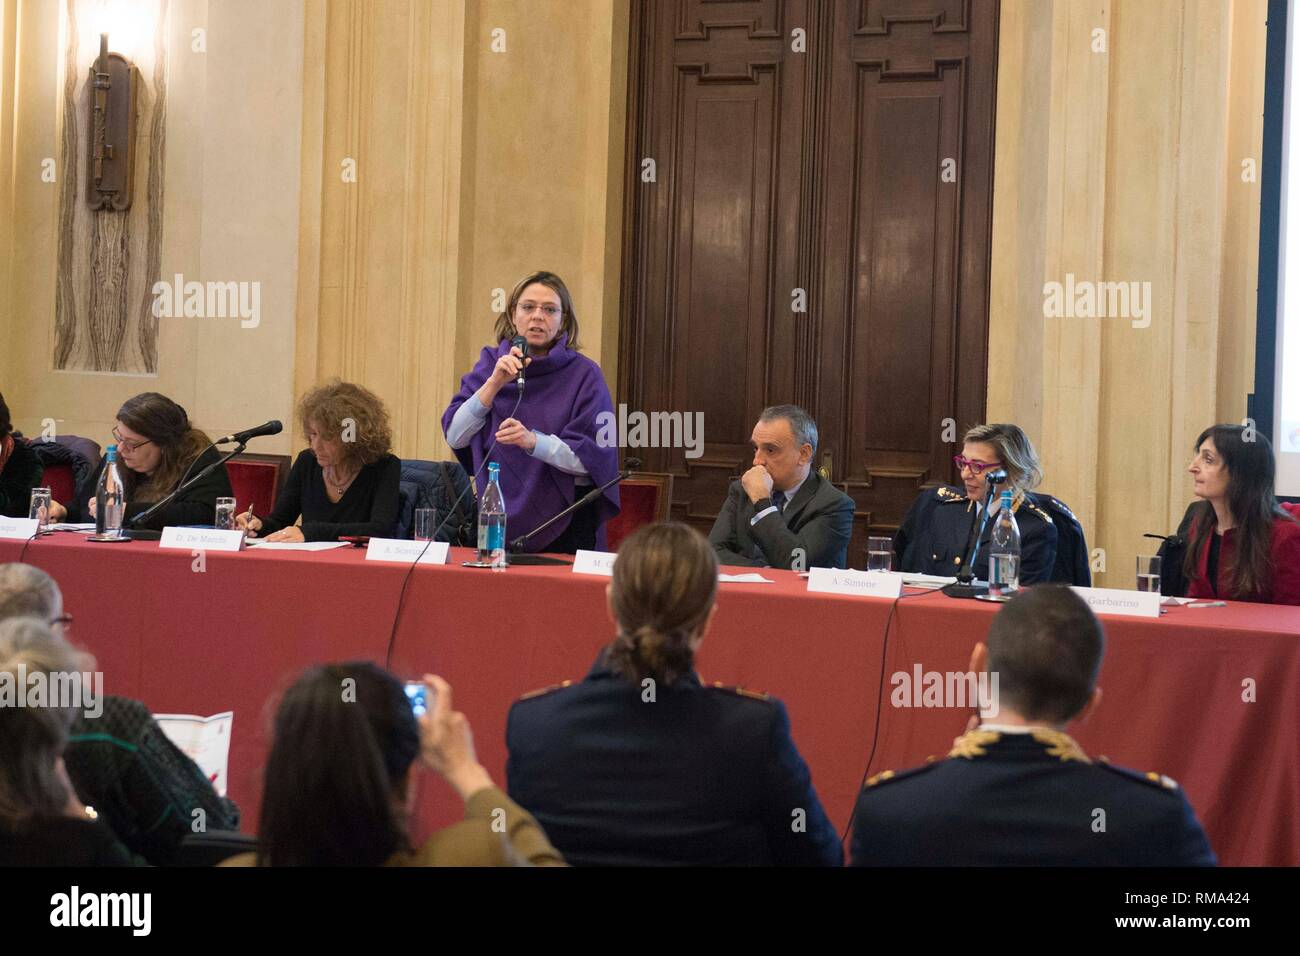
[[642, 763], [933, 535]]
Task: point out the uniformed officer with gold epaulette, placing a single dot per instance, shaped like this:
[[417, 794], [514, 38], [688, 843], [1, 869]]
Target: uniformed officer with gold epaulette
[[933, 535], [642, 763], [1016, 789]]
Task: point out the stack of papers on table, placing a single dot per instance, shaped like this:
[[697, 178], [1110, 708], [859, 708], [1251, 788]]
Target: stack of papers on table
[[750, 578], [264, 545], [932, 581]]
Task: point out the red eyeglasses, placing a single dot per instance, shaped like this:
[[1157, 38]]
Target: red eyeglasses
[[976, 467]]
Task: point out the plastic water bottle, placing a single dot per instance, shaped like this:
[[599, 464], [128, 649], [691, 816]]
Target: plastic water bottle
[[110, 500], [1004, 551], [492, 522]]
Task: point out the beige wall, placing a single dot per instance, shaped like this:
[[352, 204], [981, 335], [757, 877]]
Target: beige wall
[[230, 214], [474, 167], [1125, 165]]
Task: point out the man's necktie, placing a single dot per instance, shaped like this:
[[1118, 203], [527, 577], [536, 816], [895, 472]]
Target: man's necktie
[[778, 499]]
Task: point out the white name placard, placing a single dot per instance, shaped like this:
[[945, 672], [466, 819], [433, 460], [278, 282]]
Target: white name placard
[[1117, 601], [594, 562], [22, 528], [201, 539], [399, 549], [881, 584]]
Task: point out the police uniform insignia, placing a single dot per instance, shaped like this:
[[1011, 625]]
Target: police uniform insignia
[[947, 494], [1060, 745], [885, 776], [1151, 778], [751, 694], [972, 743], [881, 778], [544, 690]]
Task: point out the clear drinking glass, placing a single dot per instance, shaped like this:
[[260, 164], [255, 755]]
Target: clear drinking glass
[[1148, 573], [424, 527], [40, 507], [225, 519], [880, 554]]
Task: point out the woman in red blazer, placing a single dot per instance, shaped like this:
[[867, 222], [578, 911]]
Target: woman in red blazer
[[1242, 545]]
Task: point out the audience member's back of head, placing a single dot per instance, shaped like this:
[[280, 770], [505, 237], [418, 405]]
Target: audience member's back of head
[[1046, 647], [664, 585], [345, 739], [26, 591], [32, 736]]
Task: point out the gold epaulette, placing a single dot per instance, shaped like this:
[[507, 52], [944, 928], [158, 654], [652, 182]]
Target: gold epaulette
[[751, 694], [1059, 744], [544, 690], [972, 743], [1151, 778], [947, 494], [885, 776]]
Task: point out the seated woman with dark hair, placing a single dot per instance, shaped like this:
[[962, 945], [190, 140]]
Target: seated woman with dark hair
[[641, 763], [1242, 546], [157, 450], [932, 538], [42, 822], [20, 470], [347, 481], [339, 790]]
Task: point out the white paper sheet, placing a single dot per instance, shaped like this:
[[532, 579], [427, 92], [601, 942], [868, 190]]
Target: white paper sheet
[[264, 545], [744, 579], [205, 740], [70, 526], [927, 580]]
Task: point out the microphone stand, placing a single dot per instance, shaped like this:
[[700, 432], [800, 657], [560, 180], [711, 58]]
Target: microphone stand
[[145, 534], [964, 586], [514, 555]]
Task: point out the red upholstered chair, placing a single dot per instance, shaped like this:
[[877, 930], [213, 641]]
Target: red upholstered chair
[[257, 480], [61, 482], [645, 498], [1291, 506]]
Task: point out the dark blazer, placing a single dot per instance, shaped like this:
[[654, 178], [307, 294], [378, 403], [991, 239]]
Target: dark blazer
[[819, 519], [142, 785], [698, 775], [1024, 800], [933, 535], [21, 473]]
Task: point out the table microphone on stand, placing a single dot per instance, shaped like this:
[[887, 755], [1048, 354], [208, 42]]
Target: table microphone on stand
[[965, 586], [146, 534], [514, 554]]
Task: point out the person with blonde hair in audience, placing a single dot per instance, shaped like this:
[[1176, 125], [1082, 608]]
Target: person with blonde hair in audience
[[42, 820], [340, 788], [119, 760], [644, 764], [347, 482]]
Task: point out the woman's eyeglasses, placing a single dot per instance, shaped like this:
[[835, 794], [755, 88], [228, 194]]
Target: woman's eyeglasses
[[550, 311], [126, 444], [976, 467]]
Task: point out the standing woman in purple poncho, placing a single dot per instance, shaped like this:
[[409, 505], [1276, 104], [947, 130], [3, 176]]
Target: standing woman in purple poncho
[[548, 451]]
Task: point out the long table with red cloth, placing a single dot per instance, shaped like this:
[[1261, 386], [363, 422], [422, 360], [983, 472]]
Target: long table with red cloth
[[1210, 697]]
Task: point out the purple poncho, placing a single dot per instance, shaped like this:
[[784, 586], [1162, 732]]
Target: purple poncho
[[563, 394]]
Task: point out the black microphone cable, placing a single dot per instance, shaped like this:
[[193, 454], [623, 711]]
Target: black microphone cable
[[880, 692], [401, 595]]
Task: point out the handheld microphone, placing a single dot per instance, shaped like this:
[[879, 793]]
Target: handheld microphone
[[270, 428], [996, 477], [521, 344]]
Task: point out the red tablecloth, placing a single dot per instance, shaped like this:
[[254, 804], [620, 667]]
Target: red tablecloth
[[231, 636]]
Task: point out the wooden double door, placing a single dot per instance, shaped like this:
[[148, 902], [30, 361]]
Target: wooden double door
[[809, 207]]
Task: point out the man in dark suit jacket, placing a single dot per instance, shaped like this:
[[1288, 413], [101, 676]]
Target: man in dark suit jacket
[[1016, 790], [781, 513]]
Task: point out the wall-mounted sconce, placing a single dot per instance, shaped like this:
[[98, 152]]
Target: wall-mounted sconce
[[114, 80]]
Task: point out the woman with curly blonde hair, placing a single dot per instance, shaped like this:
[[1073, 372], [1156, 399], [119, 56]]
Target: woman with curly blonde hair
[[346, 482]]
